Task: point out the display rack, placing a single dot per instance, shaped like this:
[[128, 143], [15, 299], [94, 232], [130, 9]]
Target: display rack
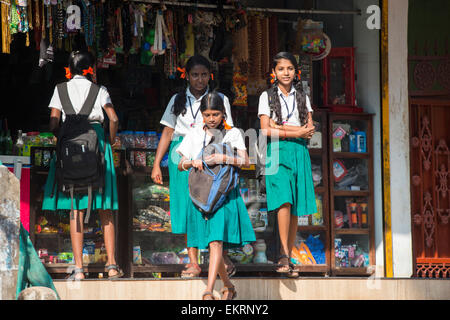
[[352, 234]]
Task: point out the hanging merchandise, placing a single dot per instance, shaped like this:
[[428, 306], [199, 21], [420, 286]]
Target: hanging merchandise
[[312, 39], [240, 61], [189, 40], [170, 59], [204, 23], [6, 33], [147, 43], [161, 41]]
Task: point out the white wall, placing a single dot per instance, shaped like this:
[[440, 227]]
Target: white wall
[[399, 138], [368, 91]]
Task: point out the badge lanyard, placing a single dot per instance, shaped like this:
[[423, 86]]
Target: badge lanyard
[[192, 112], [287, 108]]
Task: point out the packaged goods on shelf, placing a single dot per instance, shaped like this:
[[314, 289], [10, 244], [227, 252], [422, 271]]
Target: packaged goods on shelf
[[242, 255]]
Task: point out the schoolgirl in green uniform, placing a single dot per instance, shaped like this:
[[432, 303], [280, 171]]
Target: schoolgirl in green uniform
[[80, 73], [181, 116], [286, 118], [230, 225]]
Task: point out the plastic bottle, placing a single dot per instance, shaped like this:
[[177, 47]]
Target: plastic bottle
[[19, 144], [8, 143]]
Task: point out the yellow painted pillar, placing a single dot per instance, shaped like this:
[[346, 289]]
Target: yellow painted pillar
[[388, 260]]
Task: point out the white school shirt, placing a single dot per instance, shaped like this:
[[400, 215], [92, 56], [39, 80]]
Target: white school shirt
[[182, 123], [264, 109], [78, 88], [192, 144]]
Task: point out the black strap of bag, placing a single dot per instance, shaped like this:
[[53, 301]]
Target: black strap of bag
[[88, 104]]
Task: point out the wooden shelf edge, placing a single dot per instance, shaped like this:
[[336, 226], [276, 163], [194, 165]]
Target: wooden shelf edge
[[352, 231], [352, 271]]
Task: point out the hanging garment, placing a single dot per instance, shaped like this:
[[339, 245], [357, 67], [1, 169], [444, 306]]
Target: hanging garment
[[161, 42]]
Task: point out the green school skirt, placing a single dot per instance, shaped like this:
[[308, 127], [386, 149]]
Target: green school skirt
[[289, 177], [230, 224], [179, 190], [108, 200]]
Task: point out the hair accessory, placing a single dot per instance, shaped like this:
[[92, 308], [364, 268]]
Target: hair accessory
[[226, 125], [212, 76], [183, 72], [299, 74], [89, 70], [68, 73], [272, 75]]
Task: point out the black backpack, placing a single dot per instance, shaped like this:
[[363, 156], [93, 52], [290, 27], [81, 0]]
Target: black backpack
[[80, 166]]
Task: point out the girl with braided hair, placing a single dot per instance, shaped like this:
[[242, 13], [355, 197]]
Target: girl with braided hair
[[182, 115], [285, 112]]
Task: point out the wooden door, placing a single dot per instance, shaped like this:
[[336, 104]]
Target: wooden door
[[430, 186]]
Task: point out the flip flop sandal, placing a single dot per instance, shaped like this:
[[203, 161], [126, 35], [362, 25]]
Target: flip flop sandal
[[281, 267], [209, 294], [73, 274], [192, 270], [231, 290], [114, 267]]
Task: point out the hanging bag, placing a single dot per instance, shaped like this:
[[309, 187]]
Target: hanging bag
[[209, 188]]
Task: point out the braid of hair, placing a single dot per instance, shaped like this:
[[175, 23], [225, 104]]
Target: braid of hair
[[301, 102], [275, 105], [179, 106]]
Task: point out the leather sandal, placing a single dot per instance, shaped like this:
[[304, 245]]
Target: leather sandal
[[207, 295], [294, 274], [192, 270], [114, 267], [73, 274], [231, 293], [283, 267]]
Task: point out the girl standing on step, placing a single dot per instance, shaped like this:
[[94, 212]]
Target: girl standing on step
[[285, 113], [79, 73], [181, 116], [230, 225]]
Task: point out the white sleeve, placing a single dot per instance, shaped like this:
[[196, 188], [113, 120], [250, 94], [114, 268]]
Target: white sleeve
[[55, 102], [308, 104], [185, 147], [226, 103], [169, 119], [263, 107], [237, 139], [103, 96]]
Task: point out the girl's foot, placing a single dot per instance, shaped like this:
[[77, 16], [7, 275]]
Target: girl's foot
[[228, 293], [207, 295], [283, 265], [114, 271], [192, 270], [76, 274]]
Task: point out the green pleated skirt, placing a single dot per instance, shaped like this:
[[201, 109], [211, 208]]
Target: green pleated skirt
[[289, 177], [230, 224], [108, 200], [179, 190]]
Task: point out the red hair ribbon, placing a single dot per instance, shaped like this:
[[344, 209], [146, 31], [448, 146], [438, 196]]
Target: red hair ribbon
[[272, 75], [183, 72], [299, 74], [89, 70], [68, 73], [212, 76]]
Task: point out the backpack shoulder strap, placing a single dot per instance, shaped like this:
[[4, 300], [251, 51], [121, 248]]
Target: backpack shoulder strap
[[64, 98], [90, 100]]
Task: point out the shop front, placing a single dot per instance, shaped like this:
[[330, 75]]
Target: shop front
[[140, 47]]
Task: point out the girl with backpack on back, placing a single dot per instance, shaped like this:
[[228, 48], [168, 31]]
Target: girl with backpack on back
[[230, 225], [182, 115], [285, 113], [79, 74]]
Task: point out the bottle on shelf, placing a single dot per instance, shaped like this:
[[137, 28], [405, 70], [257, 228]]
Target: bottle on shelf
[[364, 215], [19, 144], [353, 215], [8, 143]]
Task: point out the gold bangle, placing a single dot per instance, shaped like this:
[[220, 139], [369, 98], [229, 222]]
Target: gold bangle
[[182, 165]]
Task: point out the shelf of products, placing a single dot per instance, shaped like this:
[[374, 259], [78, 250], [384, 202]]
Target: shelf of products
[[351, 193]]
